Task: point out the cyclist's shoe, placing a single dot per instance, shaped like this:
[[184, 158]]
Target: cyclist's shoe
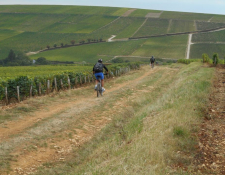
[[103, 89], [96, 87]]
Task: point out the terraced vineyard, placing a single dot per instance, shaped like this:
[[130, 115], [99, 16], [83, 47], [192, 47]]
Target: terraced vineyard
[[33, 28]]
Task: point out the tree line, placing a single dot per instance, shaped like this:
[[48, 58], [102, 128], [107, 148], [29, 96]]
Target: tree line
[[21, 59]]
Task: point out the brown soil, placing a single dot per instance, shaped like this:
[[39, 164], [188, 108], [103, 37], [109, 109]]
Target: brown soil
[[127, 13], [211, 149]]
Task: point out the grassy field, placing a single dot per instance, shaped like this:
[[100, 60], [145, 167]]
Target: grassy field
[[198, 49], [143, 12], [124, 27], [29, 22], [212, 37], [91, 53], [58, 9], [186, 16], [79, 24], [201, 25], [153, 27], [164, 47], [177, 26], [4, 34], [218, 18]]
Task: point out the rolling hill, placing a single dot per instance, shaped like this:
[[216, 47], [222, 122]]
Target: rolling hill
[[30, 28]]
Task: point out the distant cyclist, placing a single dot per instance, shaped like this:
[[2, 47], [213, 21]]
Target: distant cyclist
[[152, 61], [98, 72]]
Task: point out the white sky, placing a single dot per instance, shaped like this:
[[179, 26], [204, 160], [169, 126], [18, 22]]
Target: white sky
[[199, 6]]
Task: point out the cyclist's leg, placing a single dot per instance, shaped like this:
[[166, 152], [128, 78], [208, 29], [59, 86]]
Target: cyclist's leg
[[102, 80], [96, 80]]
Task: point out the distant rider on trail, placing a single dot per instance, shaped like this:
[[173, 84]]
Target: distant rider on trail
[[98, 72], [152, 61]]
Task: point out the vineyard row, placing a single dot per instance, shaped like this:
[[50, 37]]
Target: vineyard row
[[22, 87]]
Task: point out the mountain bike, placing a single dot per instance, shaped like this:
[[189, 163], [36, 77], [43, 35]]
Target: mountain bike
[[152, 65], [99, 87]]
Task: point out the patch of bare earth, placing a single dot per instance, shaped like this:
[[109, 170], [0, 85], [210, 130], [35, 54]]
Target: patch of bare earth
[[127, 13], [211, 149], [80, 120], [153, 15]]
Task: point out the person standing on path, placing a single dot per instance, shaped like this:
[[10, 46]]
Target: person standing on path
[[152, 61]]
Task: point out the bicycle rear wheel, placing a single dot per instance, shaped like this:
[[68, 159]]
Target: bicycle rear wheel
[[98, 89]]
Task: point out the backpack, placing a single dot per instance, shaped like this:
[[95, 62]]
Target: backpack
[[98, 67], [152, 59]]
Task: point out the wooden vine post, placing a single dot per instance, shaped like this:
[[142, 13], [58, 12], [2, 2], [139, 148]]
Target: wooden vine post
[[18, 93], [85, 79], [80, 80], [56, 89], [61, 83], [69, 87], [39, 90], [76, 81], [88, 79], [31, 87], [48, 86], [6, 96]]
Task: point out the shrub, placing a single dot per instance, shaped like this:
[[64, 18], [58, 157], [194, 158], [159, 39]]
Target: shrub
[[205, 58], [215, 58], [117, 60]]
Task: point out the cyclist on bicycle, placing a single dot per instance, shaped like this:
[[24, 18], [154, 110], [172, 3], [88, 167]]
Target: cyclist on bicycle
[[152, 61], [98, 72]]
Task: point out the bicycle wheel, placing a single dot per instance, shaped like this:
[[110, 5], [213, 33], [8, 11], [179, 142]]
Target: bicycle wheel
[[98, 89]]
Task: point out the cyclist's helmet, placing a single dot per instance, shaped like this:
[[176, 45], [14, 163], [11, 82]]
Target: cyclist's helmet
[[100, 60]]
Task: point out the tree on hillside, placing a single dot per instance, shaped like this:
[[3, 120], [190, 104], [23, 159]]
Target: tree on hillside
[[55, 45], [48, 46], [61, 44], [215, 59], [16, 60], [11, 57], [72, 42], [82, 41], [42, 61], [117, 60]]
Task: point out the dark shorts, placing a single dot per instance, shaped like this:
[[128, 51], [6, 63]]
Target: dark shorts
[[99, 75]]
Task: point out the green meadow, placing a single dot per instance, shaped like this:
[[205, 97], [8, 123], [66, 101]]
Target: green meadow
[[143, 12], [164, 47], [186, 16], [198, 49], [177, 26], [92, 52], [202, 25], [211, 37], [153, 27]]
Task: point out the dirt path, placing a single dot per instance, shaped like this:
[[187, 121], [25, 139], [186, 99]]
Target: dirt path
[[189, 46], [211, 158], [62, 127]]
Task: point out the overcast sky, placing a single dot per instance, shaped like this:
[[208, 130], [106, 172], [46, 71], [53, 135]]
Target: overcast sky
[[199, 6]]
